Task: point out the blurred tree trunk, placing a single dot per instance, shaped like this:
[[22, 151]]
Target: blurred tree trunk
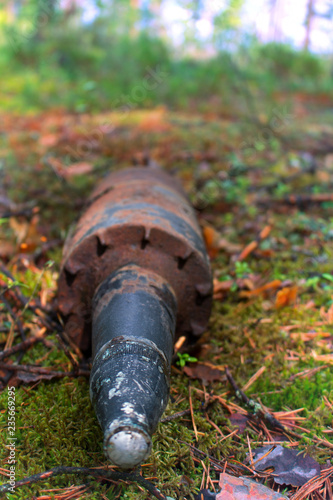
[[71, 8], [308, 24]]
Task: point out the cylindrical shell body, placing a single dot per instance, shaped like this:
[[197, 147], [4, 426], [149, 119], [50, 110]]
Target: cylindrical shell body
[[138, 216], [134, 319]]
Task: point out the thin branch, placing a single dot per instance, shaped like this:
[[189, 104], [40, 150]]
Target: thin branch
[[69, 355], [22, 346], [257, 410], [98, 474], [175, 415], [43, 371], [15, 318]]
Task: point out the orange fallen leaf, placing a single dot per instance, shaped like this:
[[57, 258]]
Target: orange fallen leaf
[[215, 243], [265, 232], [247, 250], [211, 237], [254, 244], [262, 290], [286, 297]]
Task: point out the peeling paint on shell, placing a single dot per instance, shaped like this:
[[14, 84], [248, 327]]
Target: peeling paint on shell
[[135, 276], [139, 216]]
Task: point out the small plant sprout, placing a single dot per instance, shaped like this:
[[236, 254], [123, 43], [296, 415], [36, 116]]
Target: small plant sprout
[[312, 282], [185, 358], [242, 269], [12, 283]]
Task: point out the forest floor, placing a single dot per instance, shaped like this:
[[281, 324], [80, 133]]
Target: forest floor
[[263, 189]]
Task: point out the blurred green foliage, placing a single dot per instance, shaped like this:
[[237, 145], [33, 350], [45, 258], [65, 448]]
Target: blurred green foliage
[[50, 58]]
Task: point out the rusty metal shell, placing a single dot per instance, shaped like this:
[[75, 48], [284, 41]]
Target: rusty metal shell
[[137, 216]]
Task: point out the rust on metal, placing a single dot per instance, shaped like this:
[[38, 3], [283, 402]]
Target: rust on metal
[[136, 216], [135, 277]]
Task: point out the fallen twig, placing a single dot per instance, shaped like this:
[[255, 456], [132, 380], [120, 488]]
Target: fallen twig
[[301, 200], [264, 233], [18, 293], [257, 410], [255, 407], [36, 308], [5, 380], [69, 355], [175, 415], [43, 371], [98, 474], [15, 318], [22, 346]]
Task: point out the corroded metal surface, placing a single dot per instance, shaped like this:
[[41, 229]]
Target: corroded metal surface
[[133, 334], [134, 274], [136, 216]]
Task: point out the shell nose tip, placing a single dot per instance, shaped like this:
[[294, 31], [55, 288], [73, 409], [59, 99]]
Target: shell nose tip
[[128, 448]]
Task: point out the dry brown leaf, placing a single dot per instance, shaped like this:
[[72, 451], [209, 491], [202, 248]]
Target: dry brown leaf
[[221, 288], [204, 371], [20, 226], [7, 249], [239, 420], [27, 233]]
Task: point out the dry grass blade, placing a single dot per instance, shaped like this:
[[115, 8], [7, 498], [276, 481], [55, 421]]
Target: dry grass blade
[[254, 378], [314, 484], [192, 416], [71, 493]]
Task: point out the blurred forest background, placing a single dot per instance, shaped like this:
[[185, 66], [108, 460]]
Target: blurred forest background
[[89, 55], [235, 97]]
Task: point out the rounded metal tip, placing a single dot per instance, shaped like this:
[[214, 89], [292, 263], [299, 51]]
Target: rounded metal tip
[[128, 448]]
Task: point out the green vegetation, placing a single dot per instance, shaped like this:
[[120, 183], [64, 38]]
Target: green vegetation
[[244, 333], [49, 59], [249, 131]]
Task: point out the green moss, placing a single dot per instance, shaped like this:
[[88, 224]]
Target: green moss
[[54, 420]]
